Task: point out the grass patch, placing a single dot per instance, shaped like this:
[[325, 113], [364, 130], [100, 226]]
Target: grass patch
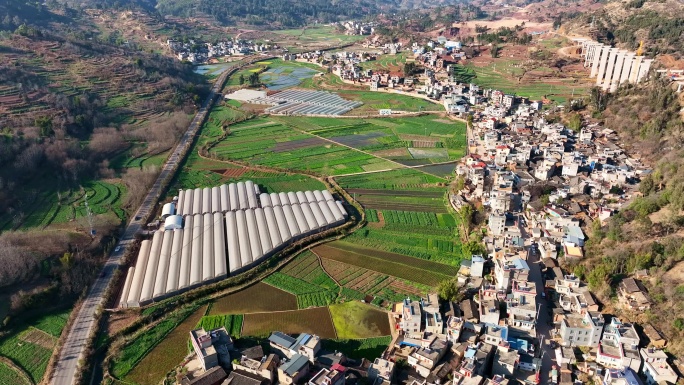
[[358, 320], [368, 348], [10, 376], [133, 355]]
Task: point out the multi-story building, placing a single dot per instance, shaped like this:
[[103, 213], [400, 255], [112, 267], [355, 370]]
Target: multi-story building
[[211, 347], [381, 370], [656, 369], [582, 330], [508, 268], [505, 362], [411, 316], [333, 376], [294, 370]]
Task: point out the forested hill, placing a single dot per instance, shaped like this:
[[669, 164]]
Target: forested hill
[[658, 24], [283, 13]]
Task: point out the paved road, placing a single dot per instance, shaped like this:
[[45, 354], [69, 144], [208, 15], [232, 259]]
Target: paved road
[[543, 328], [68, 363]]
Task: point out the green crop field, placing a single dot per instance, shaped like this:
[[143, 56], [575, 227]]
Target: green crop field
[[256, 298], [232, 323], [30, 347], [386, 63], [53, 207], [504, 74], [10, 376], [404, 179], [315, 35], [368, 348], [285, 148], [308, 294], [146, 347], [397, 265], [358, 320]]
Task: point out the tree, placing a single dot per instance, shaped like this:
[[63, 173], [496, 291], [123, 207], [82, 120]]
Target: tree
[[409, 68], [679, 324], [449, 290], [242, 79], [473, 247], [575, 122], [44, 123], [495, 51], [598, 99]]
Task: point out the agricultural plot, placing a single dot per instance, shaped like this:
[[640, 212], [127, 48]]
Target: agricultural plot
[[386, 63], [388, 201], [258, 147], [308, 294], [403, 179], [374, 101], [232, 323], [257, 298], [358, 320], [10, 376], [397, 265], [507, 76], [313, 321], [161, 347], [434, 242], [31, 348], [368, 348], [313, 37], [55, 207]]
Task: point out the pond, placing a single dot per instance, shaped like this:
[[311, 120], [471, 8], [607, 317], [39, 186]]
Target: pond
[[285, 76]]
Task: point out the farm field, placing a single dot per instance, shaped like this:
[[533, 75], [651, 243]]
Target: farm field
[[257, 298], [321, 35], [282, 147], [315, 320], [358, 320], [53, 207], [326, 146], [232, 323], [31, 347], [162, 346], [397, 265], [10, 376], [305, 278], [392, 63], [504, 75], [403, 179]]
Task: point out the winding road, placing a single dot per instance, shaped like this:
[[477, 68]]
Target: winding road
[[76, 342]]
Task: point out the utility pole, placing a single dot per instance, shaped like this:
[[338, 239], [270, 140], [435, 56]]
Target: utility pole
[[89, 214]]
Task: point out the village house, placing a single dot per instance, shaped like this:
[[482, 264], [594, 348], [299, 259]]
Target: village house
[[632, 295]]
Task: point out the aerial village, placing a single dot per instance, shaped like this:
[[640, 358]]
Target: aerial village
[[522, 318]]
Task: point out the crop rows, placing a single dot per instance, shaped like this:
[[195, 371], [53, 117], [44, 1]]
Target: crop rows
[[291, 284], [321, 298], [372, 215], [403, 179], [411, 218], [232, 323], [31, 357], [136, 350], [415, 244], [10, 376]]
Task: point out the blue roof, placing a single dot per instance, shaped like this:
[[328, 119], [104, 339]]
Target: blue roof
[[519, 344], [575, 231], [281, 339], [470, 353], [520, 264], [302, 339], [295, 364]]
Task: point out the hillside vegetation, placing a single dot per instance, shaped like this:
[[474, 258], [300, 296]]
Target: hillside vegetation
[[649, 232], [81, 112]]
